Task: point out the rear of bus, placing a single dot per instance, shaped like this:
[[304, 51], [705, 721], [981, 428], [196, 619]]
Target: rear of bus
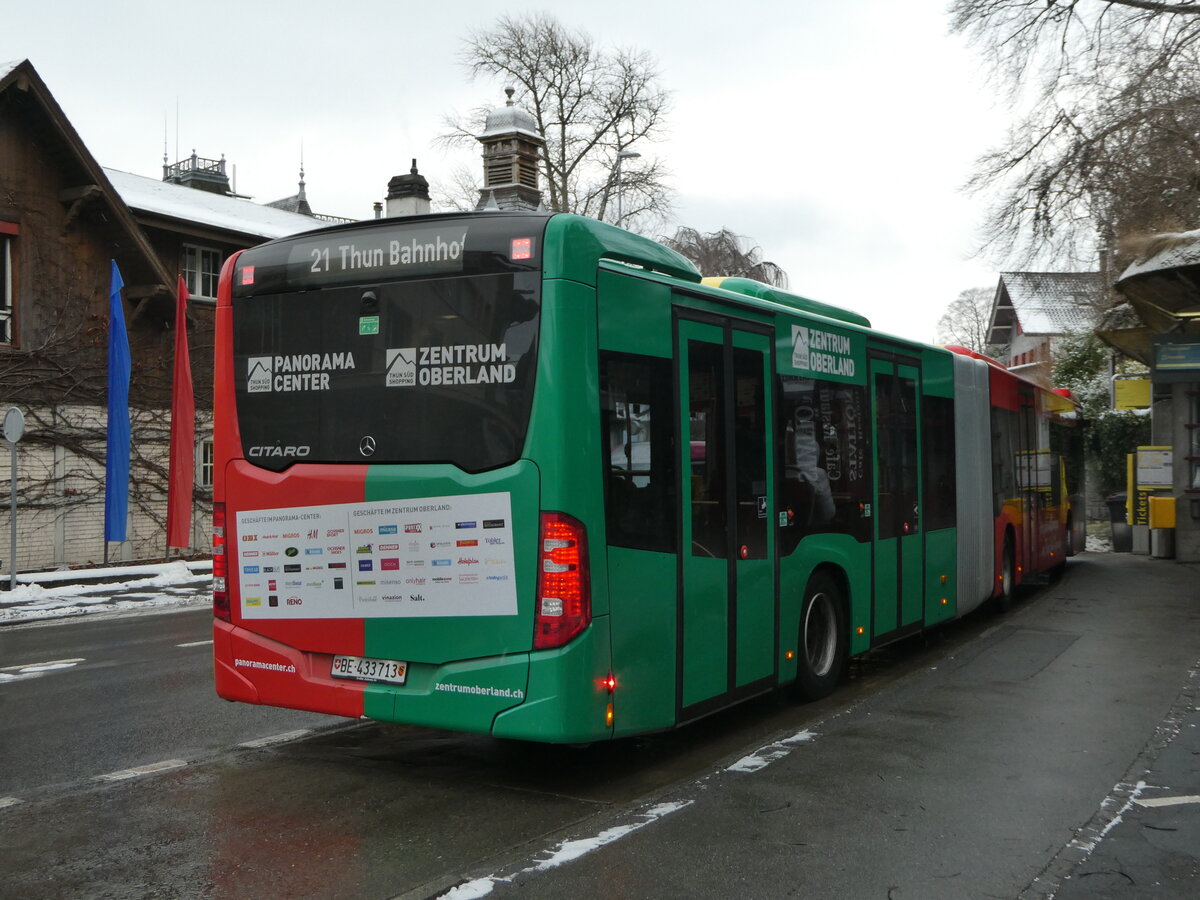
[[381, 542]]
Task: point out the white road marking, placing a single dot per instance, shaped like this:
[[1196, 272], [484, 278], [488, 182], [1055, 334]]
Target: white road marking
[[196, 643], [150, 769], [44, 666], [1169, 801], [275, 739], [764, 756], [33, 670], [8, 801], [565, 852]]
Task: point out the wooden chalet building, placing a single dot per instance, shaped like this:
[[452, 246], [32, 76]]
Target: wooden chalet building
[[62, 219]]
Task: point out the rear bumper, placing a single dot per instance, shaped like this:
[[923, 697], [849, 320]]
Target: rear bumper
[[553, 695]]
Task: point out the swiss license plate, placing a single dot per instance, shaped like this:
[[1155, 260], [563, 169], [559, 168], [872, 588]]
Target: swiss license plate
[[364, 669]]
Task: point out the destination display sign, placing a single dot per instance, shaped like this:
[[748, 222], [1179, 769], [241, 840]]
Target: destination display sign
[[382, 255]]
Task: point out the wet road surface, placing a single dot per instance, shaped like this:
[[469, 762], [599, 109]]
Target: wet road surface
[[962, 766]]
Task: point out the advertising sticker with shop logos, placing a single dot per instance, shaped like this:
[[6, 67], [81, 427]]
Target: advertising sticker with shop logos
[[433, 556]]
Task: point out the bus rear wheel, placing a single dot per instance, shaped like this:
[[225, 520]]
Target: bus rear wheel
[[822, 640], [1008, 573]]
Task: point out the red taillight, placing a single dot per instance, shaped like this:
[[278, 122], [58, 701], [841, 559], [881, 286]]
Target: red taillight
[[564, 603], [220, 564]]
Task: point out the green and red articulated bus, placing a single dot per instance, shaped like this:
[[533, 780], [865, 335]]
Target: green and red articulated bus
[[530, 475]]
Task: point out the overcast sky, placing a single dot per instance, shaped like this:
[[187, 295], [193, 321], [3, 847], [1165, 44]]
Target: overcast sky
[[836, 135]]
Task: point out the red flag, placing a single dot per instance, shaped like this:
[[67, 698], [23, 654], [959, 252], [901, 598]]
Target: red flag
[[183, 435]]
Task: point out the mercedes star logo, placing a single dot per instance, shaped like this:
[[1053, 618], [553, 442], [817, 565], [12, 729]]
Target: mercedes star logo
[[367, 445]]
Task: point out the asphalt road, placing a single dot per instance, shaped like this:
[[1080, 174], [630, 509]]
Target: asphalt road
[[110, 693], [989, 761]]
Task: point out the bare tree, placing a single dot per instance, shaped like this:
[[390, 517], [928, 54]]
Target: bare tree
[[967, 320], [589, 105], [1107, 144], [725, 253]]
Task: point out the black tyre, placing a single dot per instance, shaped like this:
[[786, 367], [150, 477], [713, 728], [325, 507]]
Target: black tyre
[[823, 639], [1008, 578]]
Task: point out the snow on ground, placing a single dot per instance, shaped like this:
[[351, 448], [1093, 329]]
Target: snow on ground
[[53, 595]]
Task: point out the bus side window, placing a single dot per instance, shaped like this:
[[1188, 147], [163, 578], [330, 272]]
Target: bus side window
[[826, 484], [639, 453]]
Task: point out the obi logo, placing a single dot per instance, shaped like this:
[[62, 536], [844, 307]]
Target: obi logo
[[387, 529], [365, 565], [249, 537]]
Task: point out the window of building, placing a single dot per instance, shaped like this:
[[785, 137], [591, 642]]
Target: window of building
[[201, 270], [204, 465], [8, 332]]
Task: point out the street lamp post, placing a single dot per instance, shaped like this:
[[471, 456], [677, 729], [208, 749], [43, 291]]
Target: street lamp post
[[622, 154]]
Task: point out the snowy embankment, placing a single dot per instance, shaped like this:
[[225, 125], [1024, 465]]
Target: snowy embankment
[[52, 595]]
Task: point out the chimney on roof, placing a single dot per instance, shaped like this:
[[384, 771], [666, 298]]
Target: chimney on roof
[[408, 195]]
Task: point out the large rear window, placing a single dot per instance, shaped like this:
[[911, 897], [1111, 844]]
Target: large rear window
[[355, 364]]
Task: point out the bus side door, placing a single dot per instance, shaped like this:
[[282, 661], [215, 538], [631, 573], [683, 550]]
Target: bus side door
[[899, 543], [728, 606]]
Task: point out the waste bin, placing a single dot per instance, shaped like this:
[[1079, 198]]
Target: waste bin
[[1162, 527], [1122, 531]]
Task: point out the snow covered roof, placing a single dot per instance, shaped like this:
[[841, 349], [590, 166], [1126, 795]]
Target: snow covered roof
[[215, 210], [1166, 251], [1045, 303]]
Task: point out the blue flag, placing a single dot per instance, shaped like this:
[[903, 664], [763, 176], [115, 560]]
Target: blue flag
[[116, 470]]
